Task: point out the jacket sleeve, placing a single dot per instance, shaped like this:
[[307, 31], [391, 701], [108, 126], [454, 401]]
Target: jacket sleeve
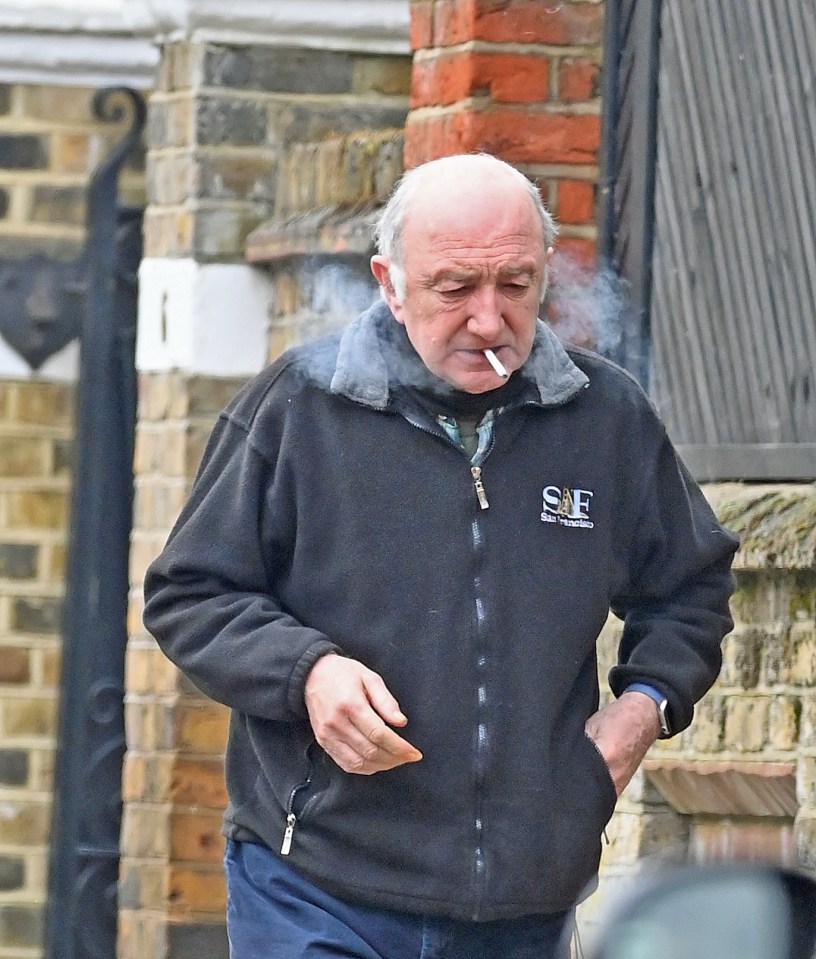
[[209, 601], [675, 607]]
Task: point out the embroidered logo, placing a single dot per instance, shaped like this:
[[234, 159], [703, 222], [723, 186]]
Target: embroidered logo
[[568, 507]]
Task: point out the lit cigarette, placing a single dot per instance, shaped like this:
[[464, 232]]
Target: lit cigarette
[[496, 363]]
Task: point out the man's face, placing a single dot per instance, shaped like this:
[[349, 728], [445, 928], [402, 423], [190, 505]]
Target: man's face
[[474, 271]]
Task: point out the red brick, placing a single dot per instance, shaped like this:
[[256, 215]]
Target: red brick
[[421, 28], [505, 77], [513, 135], [518, 21], [452, 22], [576, 202], [578, 80], [578, 249]]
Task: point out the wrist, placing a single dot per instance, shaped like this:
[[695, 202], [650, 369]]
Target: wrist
[[661, 705]]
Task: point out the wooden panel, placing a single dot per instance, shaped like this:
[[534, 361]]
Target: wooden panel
[[733, 312]]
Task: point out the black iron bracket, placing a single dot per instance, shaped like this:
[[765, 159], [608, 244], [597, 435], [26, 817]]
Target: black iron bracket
[[43, 298]]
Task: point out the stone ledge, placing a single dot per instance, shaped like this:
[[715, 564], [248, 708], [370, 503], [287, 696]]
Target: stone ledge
[[329, 230], [776, 523], [725, 788]]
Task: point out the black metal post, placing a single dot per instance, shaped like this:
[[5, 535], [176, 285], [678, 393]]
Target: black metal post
[[82, 908]]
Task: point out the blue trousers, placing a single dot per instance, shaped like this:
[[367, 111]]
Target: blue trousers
[[274, 913]]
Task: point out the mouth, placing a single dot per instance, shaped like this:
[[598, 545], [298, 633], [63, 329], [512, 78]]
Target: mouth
[[498, 367]]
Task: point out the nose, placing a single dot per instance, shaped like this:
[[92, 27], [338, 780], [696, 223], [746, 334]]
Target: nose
[[485, 319]]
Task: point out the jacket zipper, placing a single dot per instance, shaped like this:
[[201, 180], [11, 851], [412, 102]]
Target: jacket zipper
[[479, 865], [289, 832], [291, 817], [481, 495]]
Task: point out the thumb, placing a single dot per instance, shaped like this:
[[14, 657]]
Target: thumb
[[382, 701]]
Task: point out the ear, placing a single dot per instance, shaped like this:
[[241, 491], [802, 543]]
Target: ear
[[381, 268]]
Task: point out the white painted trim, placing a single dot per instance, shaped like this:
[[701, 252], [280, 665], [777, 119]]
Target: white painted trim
[[63, 367], [96, 16], [376, 26], [210, 319], [78, 59], [105, 42]]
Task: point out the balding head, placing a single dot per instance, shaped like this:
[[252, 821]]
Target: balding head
[[445, 184]]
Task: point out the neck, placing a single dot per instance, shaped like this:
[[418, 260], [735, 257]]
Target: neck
[[437, 395]]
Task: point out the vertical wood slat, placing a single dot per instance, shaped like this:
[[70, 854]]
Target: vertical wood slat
[[734, 303]]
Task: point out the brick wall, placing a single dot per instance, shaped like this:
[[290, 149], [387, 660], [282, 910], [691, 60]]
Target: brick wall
[[171, 888], [237, 136], [49, 144], [739, 782], [35, 444], [518, 79]]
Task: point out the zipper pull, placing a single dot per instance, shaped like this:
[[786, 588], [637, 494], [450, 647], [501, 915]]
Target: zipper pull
[[286, 846], [476, 473]]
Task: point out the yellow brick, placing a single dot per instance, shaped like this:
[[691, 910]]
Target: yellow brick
[[22, 456], [38, 509], [199, 891], [198, 782], [803, 642], [15, 665], [142, 885], [45, 404], [50, 665], [196, 837], [147, 777], [32, 716], [55, 556], [141, 935], [202, 729], [61, 104], [71, 153], [746, 723], [783, 722], [7, 400], [24, 823], [145, 833]]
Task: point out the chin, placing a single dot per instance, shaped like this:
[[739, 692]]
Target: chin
[[478, 384]]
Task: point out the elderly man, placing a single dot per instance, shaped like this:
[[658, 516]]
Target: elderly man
[[398, 554]]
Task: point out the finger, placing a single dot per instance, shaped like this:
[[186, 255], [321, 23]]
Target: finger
[[382, 701], [384, 739], [361, 756]]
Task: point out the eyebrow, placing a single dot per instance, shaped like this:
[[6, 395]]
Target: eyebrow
[[465, 275]]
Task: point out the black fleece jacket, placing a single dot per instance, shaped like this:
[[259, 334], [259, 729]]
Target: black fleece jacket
[[332, 513]]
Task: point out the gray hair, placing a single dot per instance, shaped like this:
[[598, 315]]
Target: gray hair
[[389, 228]]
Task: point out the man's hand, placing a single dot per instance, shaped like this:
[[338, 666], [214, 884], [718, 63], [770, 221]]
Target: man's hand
[[623, 731], [349, 706]]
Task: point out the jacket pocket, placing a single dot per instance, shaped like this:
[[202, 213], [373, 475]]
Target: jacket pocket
[[303, 795], [604, 773]]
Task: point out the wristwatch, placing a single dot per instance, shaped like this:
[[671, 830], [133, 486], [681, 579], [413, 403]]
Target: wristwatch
[[660, 701]]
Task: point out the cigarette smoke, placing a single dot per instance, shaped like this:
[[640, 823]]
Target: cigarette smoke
[[587, 307]]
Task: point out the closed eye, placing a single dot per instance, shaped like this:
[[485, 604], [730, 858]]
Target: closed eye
[[516, 288]]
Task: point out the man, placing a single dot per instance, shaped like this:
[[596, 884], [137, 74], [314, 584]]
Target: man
[[394, 566]]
